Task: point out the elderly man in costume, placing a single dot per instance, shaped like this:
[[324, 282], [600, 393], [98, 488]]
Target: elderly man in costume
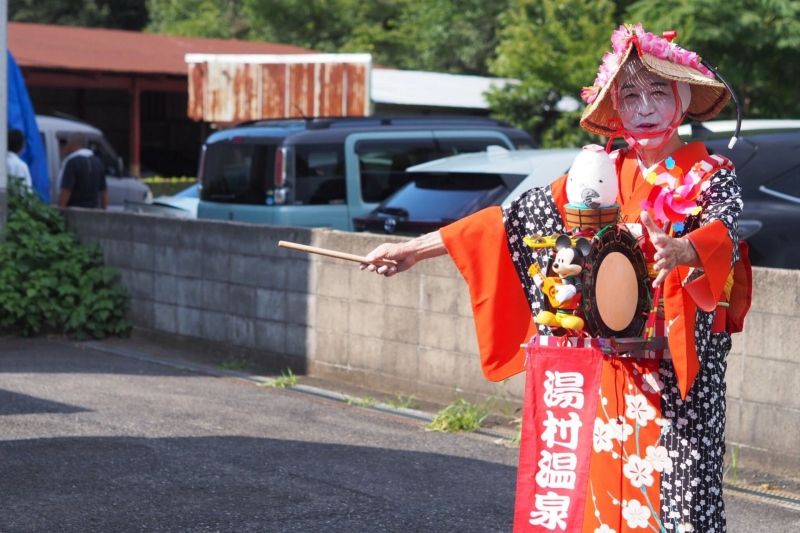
[[667, 474]]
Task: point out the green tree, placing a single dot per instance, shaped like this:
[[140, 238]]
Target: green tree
[[755, 45], [223, 19], [332, 25], [117, 14], [554, 49], [455, 36]]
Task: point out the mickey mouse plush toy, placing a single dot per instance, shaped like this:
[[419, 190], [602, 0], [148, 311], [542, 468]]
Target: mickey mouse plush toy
[[564, 291]]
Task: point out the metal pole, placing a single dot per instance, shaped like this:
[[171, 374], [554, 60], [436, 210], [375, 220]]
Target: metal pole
[[3, 116], [136, 127]]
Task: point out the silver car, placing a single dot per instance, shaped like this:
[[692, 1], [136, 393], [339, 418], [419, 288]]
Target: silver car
[[121, 188], [442, 191]]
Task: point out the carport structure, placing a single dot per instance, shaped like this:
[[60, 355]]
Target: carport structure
[[131, 85], [135, 87]]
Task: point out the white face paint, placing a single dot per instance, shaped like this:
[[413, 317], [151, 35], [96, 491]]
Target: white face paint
[[592, 179], [646, 103]]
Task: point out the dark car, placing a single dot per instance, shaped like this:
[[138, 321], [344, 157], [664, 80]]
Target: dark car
[[767, 163], [768, 168]]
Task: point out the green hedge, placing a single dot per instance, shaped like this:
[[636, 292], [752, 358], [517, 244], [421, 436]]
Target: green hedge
[[161, 186], [49, 281]]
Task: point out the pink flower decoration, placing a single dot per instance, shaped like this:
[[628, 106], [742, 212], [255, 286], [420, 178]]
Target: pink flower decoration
[[689, 186], [608, 68], [654, 45], [666, 206], [620, 40], [674, 198], [589, 94], [683, 57], [648, 43], [702, 68], [603, 76], [611, 62]]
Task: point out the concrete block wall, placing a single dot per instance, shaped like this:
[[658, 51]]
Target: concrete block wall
[[409, 334], [230, 283], [763, 377], [413, 332]]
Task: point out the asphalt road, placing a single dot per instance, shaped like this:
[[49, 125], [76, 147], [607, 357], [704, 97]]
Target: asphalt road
[[93, 441]]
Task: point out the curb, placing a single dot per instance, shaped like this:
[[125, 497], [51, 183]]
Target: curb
[[306, 390]]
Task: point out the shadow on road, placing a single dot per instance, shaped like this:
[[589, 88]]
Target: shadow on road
[[245, 484], [60, 356], [15, 403]]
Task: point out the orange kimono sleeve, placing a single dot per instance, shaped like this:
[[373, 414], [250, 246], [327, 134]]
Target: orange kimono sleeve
[[559, 191], [715, 250], [741, 292], [479, 247]]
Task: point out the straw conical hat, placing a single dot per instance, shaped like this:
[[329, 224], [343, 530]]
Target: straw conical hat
[[708, 95]]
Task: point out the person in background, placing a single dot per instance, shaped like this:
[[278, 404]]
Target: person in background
[[82, 178], [17, 168]]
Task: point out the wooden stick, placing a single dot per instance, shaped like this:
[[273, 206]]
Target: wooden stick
[[333, 253]]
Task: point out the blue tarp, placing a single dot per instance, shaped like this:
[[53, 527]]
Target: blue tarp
[[22, 117]]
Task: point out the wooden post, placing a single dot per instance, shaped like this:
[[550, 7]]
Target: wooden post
[[135, 127]]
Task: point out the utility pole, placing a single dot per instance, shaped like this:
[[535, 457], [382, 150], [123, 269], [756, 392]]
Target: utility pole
[[3, 117]]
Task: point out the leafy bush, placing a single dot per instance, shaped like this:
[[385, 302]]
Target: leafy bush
[[49, 281]]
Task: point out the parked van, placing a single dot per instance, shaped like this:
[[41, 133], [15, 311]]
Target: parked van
[[120, 187], [325, 172]]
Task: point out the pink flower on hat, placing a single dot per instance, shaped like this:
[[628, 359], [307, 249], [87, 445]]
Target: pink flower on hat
[[620, 40], [622, 37], [655, 46], [683, 56], [647, 43], [607, 68], [589, 94]]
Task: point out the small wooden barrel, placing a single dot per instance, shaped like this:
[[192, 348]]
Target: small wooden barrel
[[584, 217]]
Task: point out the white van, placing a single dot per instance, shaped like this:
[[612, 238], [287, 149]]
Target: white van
[[121, 188]]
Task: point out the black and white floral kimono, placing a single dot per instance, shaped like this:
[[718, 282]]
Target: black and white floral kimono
[[659, 435]]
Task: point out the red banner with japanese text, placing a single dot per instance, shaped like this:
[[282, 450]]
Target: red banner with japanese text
[[561, 392]]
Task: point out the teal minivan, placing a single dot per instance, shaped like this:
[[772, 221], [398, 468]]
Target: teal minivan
[[325, 172]]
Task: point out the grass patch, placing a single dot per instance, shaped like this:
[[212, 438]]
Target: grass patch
[[516, 439], [401, 402], [285, 380], [733, 465], [460, 415], [233, 364], [366, 401]]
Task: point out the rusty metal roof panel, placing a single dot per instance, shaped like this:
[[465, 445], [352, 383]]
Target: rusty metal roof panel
[[234, 88], [92, 49]]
